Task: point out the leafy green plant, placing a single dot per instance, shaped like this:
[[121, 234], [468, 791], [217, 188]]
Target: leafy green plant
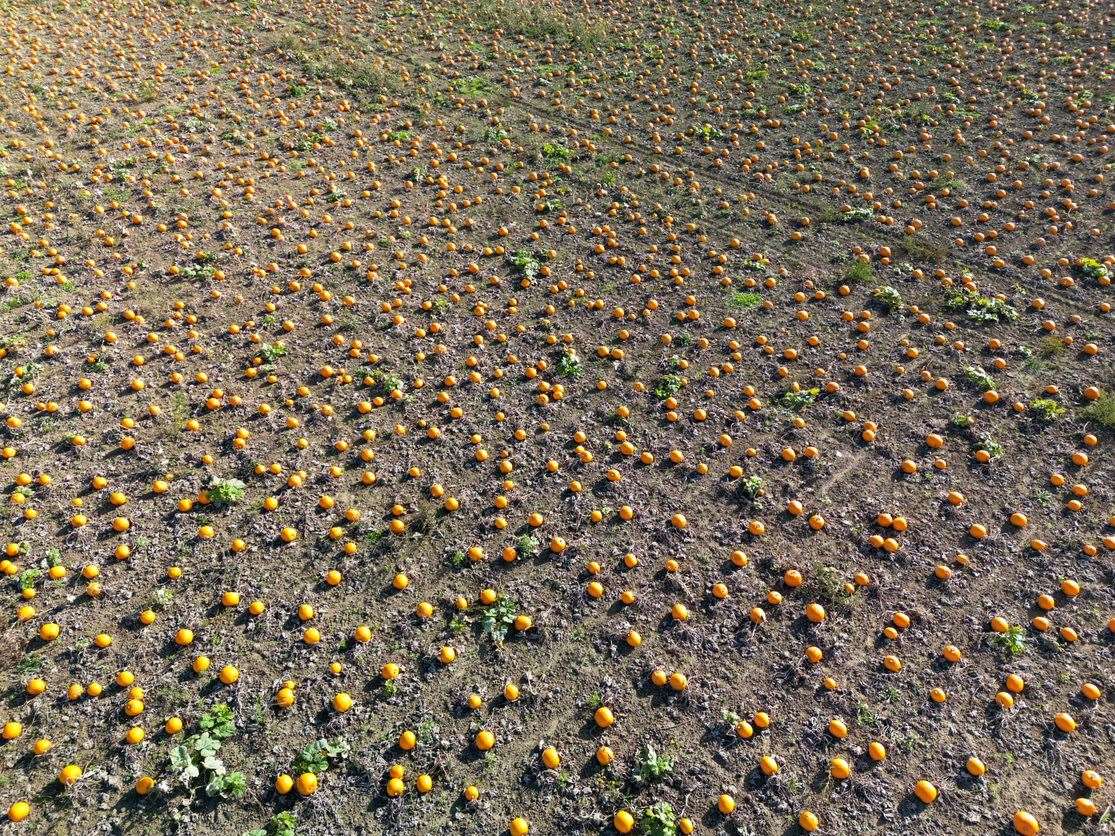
[[496, 619], [758, 263], [281, 824], [979, 308], [992, 447], [381, 381], [270, 352], [222, 492], [197, 758], [1094, 269], [569, 364], [979, 378], [658, 820], [887, 297], [196, 272], [28, 578], [218, 721], [750, 487], [854, 215], [556, 152], [1046, 409], [227, 785], [525, 262], [708, 132], [194, 754], [651, 766], [1012, 641], [800, 399], [527, 547], [667, 387], [316, 756], [494, 135]]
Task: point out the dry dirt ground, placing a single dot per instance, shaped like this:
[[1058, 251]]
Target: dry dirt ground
[[499, 416]]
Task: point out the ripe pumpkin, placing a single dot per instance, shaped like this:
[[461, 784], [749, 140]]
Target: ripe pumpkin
[[1025, 824], [925, 791]]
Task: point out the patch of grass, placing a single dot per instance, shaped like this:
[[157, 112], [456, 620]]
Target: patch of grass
[[1101, 411], [918, 249], [947, 181], [539, 22], [859, 272], [147, 91], [826, 584], [29, 664], [1051, 347], [745, 300], [474, 87]]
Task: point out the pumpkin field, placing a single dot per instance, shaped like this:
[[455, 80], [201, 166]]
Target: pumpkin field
[[575, 417]]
